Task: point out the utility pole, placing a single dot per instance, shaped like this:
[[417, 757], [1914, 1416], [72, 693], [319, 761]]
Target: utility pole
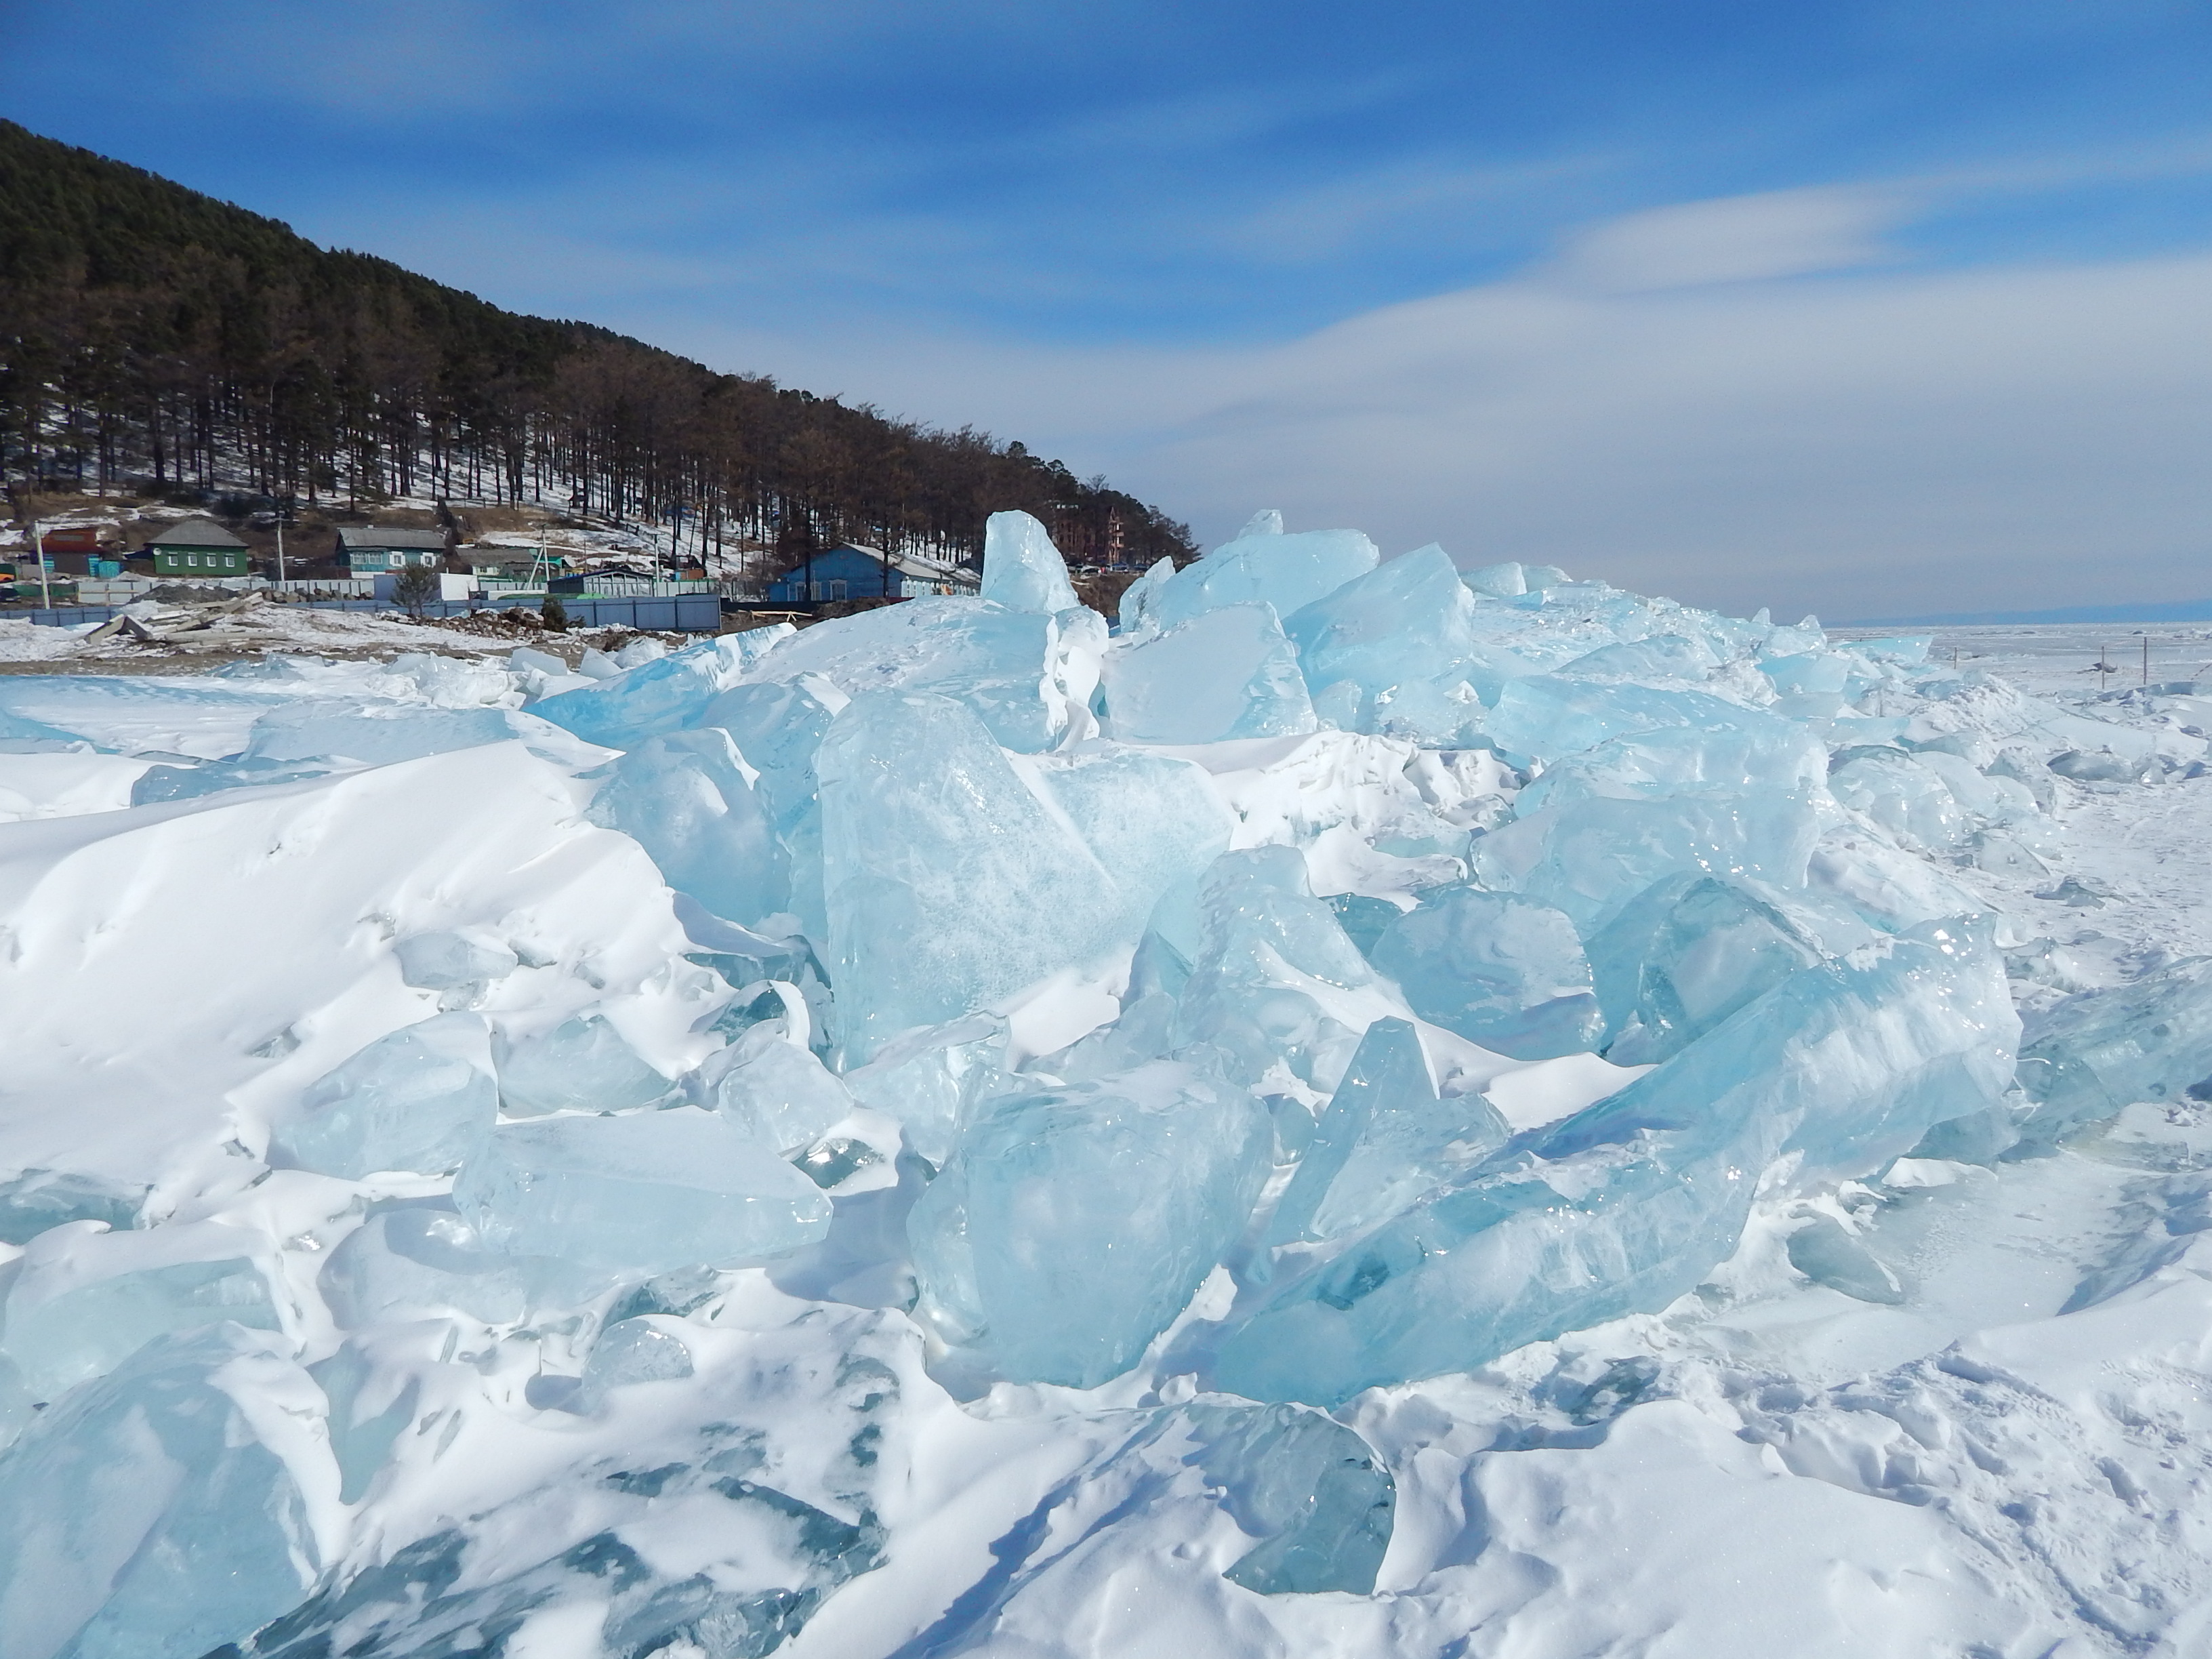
[[280, 550], [39, 553]]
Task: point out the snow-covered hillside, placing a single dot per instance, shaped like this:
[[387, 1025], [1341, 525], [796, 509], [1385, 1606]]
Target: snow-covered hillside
[[1368, 1108]]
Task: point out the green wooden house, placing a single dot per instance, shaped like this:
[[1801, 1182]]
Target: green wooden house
[[198, 547], [372, 550]]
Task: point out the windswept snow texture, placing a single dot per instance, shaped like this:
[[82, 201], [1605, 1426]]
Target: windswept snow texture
[[1363, 1109]]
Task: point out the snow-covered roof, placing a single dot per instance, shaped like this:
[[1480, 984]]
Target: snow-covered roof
[[907, 564]]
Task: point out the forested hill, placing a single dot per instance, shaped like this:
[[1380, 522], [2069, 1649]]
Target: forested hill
[[149, 332]]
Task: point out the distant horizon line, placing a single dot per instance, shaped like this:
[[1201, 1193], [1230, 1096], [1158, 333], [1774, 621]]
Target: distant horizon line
[[2173, 611]]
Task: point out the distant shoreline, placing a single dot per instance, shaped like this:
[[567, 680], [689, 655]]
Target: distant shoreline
[[2177, 611]]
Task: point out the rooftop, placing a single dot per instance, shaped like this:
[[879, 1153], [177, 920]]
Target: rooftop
[[196, 533], [372, 537]]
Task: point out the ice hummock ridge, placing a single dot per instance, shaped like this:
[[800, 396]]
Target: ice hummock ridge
[[1002, 974]]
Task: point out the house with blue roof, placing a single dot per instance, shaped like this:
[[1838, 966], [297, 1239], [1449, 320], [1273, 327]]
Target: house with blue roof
[[852, 571]]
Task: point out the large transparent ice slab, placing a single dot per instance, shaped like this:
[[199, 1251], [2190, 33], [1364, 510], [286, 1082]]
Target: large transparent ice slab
[[778, 725], [1384, 1140], [582, 1064], [2104, 1049], [1316, 1499], [950, 885], [684, 798], [1547, 716], [1589, 858], [774, 1090], [1022, 569], [667, 695], [1154, 821], [417, 1263], [1275, 981], [1684, 955], [926, 1079], [1502, 971], [1409, 623], [418, 1099], [1629, 1203], [150, 1517], [643, 1193], [1027, 677], [1073, 1223], [1285, 571], [1228, 672], [84, 1300], [1759, 756]]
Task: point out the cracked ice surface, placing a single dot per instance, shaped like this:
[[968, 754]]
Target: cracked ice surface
[[1362, 1110]]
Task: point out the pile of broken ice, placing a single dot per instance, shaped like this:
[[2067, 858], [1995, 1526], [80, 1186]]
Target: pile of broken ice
[[484, 1147]]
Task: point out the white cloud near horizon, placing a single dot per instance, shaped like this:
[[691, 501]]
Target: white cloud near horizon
[[1737, 402]]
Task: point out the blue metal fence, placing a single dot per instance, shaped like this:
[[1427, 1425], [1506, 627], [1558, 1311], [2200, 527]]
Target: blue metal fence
[[682, 613]]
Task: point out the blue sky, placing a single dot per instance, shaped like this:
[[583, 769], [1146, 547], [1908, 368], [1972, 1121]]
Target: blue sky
[[1869, 308]]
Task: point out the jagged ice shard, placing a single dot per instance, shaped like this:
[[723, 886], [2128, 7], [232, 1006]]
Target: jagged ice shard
[[1249, 1127], [1628, 1204]]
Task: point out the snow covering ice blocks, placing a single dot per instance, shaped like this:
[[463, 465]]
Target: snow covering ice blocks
[[2096, 1053], [1285, 571], [685, 797], [36, 1199], [324, 732], [83, 1301], [1022, 569], [1499, 970], [1384, 1140], [664, 696], [415, 1263], [418, 1099], [1228, 672], [1629, 1203], [640, 1193], [166, 1510], [1073, 1223], [451, 962]]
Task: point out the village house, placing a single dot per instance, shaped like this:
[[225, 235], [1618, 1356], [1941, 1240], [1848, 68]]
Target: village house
[[78, 550], [372, 550], [856, 572], [198, 547]]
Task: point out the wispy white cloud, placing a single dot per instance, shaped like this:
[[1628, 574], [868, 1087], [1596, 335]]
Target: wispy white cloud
[[1742, 238], [1881, 442]]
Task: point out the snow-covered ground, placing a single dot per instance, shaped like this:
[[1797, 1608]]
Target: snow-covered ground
[[949, 1133], [252, 628]]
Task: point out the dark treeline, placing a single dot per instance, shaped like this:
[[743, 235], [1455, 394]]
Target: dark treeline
[[153, 335]]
